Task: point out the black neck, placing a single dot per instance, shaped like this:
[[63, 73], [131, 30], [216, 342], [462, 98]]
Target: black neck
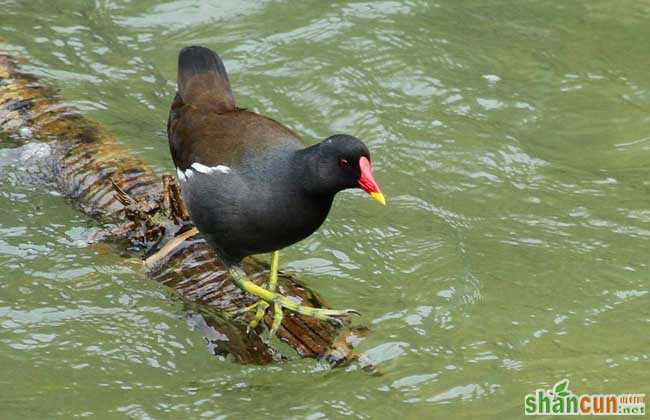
[[309, 172]]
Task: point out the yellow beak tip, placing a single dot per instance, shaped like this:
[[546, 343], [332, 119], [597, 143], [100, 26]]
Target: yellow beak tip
[[378, 197]]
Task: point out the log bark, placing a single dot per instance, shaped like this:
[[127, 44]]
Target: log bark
[[146, 213]]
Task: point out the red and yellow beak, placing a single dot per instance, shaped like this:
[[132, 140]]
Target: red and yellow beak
[[368, 183]]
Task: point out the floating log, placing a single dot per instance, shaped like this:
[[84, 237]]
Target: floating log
[[146, 212]]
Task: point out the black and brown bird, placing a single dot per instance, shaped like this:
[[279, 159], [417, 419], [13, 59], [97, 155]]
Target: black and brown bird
[[249, 183]]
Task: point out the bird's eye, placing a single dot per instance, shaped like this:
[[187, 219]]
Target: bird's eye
[[344, 163]]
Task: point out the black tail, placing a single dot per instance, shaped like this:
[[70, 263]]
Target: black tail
[[203, 77]]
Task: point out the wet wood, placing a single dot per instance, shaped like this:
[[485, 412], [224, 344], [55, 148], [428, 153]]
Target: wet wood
[[147, 213]]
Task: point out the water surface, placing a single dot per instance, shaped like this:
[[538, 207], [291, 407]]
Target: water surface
[[510, 137]]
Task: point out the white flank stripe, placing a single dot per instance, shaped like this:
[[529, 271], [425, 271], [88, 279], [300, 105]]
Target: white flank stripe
[[180, 175], [199, 167]]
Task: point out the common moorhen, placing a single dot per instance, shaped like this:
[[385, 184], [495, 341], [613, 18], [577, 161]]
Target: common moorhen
[[249, 183]]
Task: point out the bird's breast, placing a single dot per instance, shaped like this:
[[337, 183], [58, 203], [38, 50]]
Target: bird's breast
[[244, 215]]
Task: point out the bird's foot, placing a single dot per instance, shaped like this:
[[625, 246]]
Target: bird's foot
[[273, 299], [259, 307]]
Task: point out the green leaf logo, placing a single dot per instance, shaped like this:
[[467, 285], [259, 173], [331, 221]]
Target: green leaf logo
[[560, 388]]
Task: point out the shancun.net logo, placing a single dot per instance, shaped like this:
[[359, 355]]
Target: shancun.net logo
[[560, 401]]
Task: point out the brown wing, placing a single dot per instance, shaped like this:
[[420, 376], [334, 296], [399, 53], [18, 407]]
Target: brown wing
[[215, 139], [203, 86], [204, 123]]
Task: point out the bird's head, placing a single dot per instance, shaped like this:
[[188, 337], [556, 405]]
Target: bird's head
[[341, 162]]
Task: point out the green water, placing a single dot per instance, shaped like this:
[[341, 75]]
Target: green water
[[511, 138]]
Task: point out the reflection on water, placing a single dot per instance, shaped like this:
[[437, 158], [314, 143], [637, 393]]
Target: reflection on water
[[510, 137]]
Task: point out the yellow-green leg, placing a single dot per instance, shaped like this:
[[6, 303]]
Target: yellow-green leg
[[269, 296], [273, 284]]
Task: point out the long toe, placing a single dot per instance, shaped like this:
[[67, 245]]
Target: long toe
[[337, 315], [262, 307], [348, 312], [277, 319]]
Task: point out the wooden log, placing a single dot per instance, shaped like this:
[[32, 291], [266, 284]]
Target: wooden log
[[147, 213]]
